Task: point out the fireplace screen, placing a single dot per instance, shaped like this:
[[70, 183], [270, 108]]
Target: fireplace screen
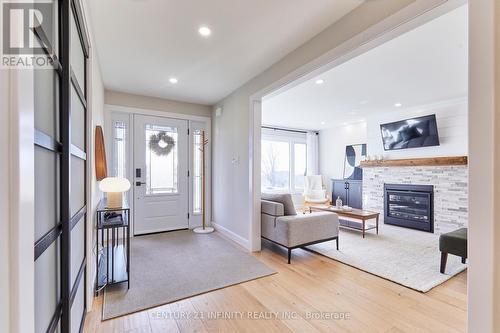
[[409, 206]]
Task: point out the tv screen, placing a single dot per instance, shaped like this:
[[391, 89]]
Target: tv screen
[[410, 133]]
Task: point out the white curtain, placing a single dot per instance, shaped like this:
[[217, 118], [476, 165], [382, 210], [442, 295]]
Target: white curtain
[[312, 141]]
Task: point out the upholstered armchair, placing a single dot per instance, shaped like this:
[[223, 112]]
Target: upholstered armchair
[[281, 224], [314, 192]]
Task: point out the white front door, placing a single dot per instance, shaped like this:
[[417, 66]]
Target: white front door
[[160, 174]]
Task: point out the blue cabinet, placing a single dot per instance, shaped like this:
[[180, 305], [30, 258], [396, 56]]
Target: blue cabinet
[[350, 191]]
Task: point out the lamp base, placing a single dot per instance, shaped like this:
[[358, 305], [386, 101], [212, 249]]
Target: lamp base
[[115, 199], [200, 230]]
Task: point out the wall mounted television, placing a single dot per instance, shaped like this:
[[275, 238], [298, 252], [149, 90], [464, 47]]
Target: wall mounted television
[[410, 133]]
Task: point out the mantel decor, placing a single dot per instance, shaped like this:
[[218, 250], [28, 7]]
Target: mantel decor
[[412, 162]]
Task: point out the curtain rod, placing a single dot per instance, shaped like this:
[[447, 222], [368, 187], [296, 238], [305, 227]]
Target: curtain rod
[[287, 130]]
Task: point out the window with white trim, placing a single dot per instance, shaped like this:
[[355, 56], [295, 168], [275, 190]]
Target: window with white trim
[[283, 161], [119, 149]]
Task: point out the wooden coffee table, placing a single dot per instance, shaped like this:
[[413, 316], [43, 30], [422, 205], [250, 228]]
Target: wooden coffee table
[[355, 214]]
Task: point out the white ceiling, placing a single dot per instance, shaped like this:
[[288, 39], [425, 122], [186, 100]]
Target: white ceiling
[[423, 66], [142, 43]]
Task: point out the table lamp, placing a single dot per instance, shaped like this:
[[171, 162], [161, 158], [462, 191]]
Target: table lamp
[[114, 188]]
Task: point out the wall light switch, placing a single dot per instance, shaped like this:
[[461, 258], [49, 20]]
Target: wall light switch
[[218, 111]]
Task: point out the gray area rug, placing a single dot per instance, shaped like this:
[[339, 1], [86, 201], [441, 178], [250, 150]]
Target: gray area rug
[[171, 266], [408, 257]]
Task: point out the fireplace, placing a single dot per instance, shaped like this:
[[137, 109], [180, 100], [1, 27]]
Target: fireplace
[[410, 206]]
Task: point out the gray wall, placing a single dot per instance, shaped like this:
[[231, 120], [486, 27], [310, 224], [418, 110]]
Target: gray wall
[[96, 117]]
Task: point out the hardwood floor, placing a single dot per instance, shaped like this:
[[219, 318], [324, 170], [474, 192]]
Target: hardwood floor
[[299, 299]]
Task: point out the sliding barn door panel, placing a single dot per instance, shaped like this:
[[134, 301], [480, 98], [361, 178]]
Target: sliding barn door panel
[[77, 184], [46, 98], [77, 249], [77, 53], [46, 191], [61, 173], [77, 120], [78, 307], [47, 286]]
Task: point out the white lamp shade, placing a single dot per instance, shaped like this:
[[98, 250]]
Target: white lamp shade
[[114, 184]]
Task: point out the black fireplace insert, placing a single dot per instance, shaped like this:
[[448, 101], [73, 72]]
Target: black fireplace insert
[[410, 206]]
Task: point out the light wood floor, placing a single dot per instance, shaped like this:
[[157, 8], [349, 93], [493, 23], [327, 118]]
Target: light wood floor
[[311, 285]]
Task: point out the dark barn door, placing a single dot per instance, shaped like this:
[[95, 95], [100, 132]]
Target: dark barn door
[[60, 173]]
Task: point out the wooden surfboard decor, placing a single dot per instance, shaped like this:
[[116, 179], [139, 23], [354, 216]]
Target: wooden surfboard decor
[[101, 168]]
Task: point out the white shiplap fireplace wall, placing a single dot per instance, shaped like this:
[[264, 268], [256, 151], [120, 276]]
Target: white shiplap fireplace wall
[[450, 191], [450, 182]]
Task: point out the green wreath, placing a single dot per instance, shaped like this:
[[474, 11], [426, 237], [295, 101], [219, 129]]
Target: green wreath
[[161, 144]]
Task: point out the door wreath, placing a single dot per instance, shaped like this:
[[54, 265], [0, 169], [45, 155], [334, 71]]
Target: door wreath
[[161, 144]]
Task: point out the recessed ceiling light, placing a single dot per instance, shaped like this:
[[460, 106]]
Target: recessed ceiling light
[[320, 81], [205, 31], [173, 80], [398, 105], [322, 123]]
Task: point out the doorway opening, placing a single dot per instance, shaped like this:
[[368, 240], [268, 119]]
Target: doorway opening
[[368, 107]]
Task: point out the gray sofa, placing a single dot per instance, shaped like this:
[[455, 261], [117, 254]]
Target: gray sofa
[[296, 231]]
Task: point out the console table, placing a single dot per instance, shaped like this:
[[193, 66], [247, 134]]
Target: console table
[[113, 244], [355, 214]]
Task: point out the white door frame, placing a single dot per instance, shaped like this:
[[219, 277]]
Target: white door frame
[[160, 202], [127, 114]]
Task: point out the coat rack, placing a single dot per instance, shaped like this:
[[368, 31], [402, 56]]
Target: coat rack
[[203, 229]]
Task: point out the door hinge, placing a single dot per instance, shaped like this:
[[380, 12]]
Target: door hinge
[[188, 216], [188, 131], [188, 173]]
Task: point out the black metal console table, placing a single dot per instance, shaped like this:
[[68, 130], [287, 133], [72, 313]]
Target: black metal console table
[[113, 251]]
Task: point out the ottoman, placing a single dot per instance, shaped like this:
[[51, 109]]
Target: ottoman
[[455, 243]]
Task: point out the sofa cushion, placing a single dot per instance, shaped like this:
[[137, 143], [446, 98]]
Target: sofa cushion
[[301, 229], [285, 199]]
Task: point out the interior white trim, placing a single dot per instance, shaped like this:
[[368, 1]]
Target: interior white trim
[[150, 112], [126, 114], [483, 292], [232, 236], [255, 138]]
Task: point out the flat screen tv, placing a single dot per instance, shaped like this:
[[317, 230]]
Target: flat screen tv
[[410, 133]]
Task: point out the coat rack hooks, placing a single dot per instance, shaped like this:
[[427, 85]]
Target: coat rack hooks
[[204, 229]]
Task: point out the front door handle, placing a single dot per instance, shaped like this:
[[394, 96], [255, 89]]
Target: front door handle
[[139, 183]]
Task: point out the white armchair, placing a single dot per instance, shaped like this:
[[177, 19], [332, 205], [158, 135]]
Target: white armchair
[[314, 191]]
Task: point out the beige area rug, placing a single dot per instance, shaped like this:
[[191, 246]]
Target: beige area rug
[[171, 266], [408, 257]]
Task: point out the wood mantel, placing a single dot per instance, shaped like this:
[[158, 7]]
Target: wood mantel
[[431, 161]]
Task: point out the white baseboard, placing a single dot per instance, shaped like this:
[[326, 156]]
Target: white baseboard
[[245, 243]]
